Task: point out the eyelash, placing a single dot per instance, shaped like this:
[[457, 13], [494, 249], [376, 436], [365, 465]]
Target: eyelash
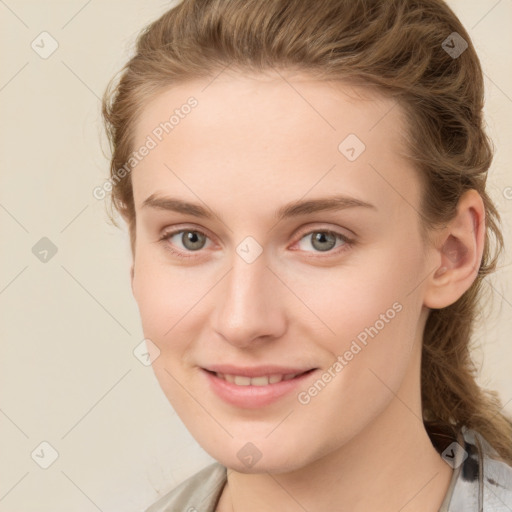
[[347, 242]]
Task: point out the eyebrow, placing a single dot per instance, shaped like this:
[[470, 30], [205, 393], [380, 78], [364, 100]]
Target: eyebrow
[[289, 210]]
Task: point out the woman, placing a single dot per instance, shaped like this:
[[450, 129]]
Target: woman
[[304, 185]]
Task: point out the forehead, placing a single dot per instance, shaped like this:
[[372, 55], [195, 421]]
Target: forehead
[[259, 132], [253, 104]]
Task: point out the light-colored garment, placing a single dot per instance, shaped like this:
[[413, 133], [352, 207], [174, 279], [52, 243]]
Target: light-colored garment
[[480, 482]]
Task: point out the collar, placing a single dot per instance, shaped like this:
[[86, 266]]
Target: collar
[[481, 481]]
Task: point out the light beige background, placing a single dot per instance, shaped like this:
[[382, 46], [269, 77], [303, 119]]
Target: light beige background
[[68, 375]]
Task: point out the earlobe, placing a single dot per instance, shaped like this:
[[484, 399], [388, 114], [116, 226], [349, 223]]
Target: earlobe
[[459, 253]]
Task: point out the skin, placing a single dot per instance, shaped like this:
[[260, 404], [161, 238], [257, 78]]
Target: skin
[[251, 145]]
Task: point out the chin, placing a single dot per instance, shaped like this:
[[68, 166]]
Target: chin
[[247, 458]]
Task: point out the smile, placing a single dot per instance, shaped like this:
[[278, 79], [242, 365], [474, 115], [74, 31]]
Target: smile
[[251, 392], [264, 380]]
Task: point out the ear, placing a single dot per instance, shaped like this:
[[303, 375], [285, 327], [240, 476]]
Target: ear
[[458, 253]]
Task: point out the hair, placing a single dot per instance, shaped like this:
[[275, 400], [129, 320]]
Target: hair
[[396, 47]]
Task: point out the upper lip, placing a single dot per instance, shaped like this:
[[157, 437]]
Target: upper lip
[[255, 371]]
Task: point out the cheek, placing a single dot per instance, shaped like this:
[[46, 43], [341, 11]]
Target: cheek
[[370, 356], [166, 297], [372, 310], [367, 290], [164, 294]]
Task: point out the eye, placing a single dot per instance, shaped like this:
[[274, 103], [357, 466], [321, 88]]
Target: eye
[[183, 241], [191, 240], [324, 241]]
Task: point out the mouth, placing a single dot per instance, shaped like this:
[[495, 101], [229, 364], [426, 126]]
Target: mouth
[[258, 390], [262, 380]]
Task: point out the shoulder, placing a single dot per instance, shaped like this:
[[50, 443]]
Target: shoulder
[[484, 481], [198, 493]]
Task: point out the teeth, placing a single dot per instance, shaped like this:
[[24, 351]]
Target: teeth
[[242, 381], [264, 380], [258, 381]]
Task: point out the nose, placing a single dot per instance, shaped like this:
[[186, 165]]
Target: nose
[[250, 305]]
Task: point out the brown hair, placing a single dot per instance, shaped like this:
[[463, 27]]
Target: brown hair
[[406, 50]]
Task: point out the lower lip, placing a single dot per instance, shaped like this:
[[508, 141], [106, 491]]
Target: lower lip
[[253, 397]]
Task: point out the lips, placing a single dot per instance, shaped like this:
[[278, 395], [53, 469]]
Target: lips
[[255, 387], [255, 376]]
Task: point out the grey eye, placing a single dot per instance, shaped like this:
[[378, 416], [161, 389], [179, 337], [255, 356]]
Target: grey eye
[[322, 240], [192, 240]]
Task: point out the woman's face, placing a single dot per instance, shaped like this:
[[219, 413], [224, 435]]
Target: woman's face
[[277, 233]]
